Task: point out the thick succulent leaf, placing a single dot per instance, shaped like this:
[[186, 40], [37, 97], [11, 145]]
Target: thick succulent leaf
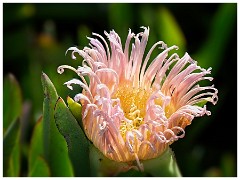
[[102, 166], [36, 145], [170, 31], [76, 110], [55, 147], [40, 168], [163, 166], [12, 100], [78, 144], [10, 139]]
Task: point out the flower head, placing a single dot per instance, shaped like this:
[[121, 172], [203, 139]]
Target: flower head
[[131, 111]]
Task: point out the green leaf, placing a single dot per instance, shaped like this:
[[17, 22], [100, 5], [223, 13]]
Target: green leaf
[[36, 145], [202, 103], [163, 166], [12, 100], [222, 27], [102, 166], [118, 20], [55, 147], [78, 144], [14, 161], [40, 168], [75, 108], [169, 30], [9, 141]]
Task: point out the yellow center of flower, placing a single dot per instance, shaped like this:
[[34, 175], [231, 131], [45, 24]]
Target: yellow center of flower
[[133, 103]]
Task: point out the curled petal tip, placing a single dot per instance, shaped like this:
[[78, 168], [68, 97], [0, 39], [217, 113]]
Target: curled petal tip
[[133, 108]]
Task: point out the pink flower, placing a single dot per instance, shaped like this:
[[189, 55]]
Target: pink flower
[[131, 111]]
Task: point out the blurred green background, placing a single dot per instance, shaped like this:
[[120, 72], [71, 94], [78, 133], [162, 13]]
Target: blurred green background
[[36, 36]]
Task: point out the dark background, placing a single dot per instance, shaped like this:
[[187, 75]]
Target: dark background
[[36, 36]]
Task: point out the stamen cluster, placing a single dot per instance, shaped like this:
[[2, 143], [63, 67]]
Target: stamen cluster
[[131, 111]]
